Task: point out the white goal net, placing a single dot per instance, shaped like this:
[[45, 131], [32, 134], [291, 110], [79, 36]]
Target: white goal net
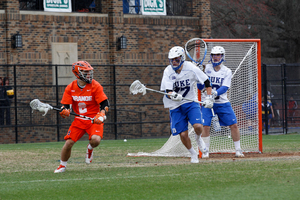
[[243, 58]]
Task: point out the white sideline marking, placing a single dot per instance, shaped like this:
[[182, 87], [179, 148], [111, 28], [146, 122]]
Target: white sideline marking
[[121, 177]]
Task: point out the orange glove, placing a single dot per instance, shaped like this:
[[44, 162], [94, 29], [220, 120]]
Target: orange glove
[[65, 112], [99, 118]]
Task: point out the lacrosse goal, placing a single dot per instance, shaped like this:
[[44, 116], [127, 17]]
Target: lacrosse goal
[[243, 57]]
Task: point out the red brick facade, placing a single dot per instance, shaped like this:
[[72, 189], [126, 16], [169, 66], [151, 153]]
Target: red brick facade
[[149, 39]]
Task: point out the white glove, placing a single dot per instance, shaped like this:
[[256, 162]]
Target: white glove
[[208, 102], [214, 93], [176, 96], [99, 118]]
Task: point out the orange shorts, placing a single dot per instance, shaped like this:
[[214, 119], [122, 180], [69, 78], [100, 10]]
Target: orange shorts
[[81, 126]]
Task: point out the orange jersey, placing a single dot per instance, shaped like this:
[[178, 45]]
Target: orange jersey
[[84, 101]]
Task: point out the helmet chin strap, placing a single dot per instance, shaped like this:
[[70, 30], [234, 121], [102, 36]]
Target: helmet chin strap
[[176, 68], [216, 64]]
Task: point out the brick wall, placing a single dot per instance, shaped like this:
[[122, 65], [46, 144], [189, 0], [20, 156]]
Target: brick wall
[[149, 40]]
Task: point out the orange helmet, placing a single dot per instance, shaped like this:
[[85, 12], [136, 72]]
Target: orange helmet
[[83, 71]]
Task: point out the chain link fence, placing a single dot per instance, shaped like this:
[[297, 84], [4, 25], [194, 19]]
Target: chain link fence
[[281, 87]]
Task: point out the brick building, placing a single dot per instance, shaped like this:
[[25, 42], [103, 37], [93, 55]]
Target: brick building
[[63, 38]]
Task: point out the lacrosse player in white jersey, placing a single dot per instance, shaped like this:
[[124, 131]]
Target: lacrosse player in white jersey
[[179, 79], [220, 77]]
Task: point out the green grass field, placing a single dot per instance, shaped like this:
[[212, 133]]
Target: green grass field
[[26, 172]]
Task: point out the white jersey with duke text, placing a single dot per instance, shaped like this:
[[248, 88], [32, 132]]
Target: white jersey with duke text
[[218, 79], [183, 83]]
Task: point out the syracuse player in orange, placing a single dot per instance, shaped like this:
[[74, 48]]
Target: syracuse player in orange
[[87, 98]]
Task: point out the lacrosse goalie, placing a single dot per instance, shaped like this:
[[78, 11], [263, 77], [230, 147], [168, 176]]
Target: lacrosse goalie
[[220, 77], [88, 99], [179, 80]]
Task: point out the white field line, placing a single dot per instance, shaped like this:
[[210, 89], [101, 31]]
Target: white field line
[[130, 177], [96, 166]]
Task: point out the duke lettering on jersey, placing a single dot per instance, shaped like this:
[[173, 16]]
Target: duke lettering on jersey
[[216, 80], [182, 83]]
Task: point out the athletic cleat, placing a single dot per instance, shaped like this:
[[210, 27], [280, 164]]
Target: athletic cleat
[[60, 169], [194, 159], [205, 155], [239, 153], [88, 156]]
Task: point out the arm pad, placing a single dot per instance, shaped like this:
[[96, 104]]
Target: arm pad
[[207, 83], [66, 106], [104, 105], [222, 90], [167, 91]]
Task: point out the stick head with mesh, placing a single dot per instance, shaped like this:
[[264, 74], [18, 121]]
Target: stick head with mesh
[[42, 107], [196, 50], [137, 87]]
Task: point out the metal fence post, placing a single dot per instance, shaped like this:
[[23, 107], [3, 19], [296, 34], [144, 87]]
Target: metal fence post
[[285, 99], [16, 100], [265, 95], [115, 102], [57, 113]]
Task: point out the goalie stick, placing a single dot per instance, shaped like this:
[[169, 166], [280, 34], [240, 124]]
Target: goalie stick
[[196, 50], [44, 107]]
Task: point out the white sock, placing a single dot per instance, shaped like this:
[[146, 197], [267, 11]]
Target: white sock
[[237, 145], [192, 151], [197, 137], [64, 163], [206, 141], [90, 147]]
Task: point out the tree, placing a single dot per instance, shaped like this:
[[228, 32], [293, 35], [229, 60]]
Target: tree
[[275, 22]]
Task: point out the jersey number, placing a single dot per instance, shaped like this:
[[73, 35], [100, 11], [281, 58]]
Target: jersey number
[[216, 87], [187, 89], [82, 108]]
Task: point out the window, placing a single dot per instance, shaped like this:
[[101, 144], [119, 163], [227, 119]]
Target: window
[[31, 4], [77, 5], [131, 7], [180, 7], [174, 7]]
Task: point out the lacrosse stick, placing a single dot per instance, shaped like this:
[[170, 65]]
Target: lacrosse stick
[[196, 50], [44, 107], [137, 87]]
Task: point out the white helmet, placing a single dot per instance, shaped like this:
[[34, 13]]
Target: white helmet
[[175, 52], [217, 50]]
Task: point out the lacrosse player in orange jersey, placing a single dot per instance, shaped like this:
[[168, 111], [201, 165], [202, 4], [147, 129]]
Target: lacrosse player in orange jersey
[[87, 98]]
